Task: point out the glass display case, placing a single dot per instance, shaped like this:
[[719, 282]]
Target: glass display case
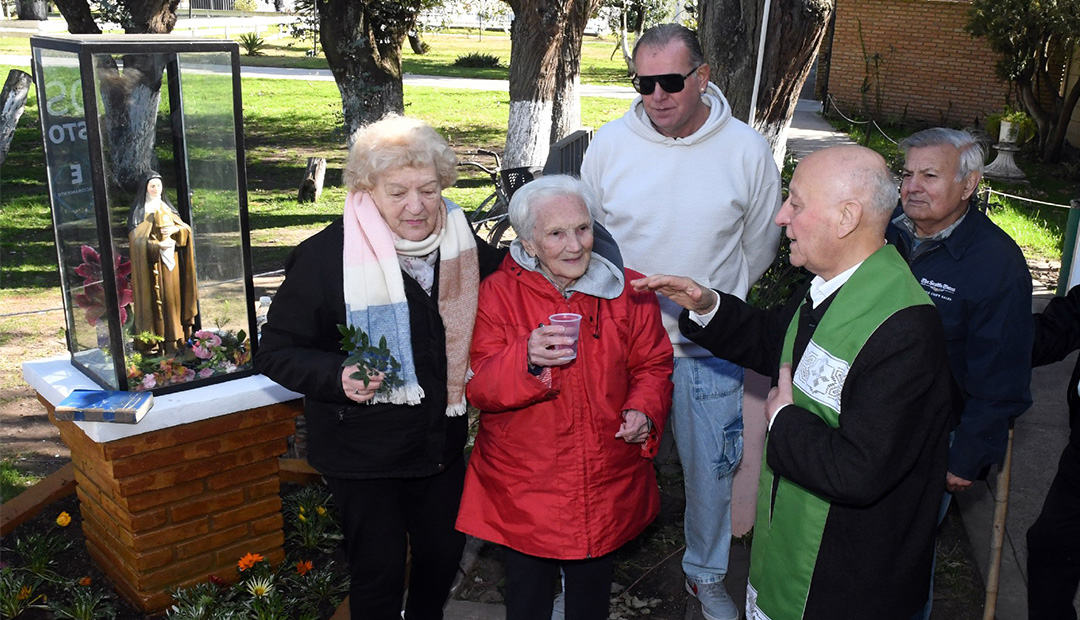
[[144, 147]]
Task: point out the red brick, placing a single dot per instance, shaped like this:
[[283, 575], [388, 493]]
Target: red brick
[[205, 504], [209, 447], [170, 535], [240, 475], [269, 486], [212, 542], [247, 512], [202, 468], [270, 523], [176, 493]]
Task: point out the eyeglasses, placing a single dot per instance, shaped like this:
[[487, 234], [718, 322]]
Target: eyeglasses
[[671, 82]]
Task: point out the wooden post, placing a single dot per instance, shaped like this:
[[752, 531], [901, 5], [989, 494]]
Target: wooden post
[[12, 104], [1001, 508], [312, 185]]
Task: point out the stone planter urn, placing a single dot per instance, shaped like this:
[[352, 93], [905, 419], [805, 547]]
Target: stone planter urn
[[1004, 167]]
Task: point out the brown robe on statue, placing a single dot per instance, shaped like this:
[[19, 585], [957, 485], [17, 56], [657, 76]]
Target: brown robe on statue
[[165, 300]]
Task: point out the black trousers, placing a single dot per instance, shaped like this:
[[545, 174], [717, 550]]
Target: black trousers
[[381, 520], [530, 586], [1054, 545]]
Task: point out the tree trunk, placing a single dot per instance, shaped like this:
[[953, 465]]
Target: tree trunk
[[624, 43], [566, 106], [151, 16], [362, 43], [535, 44], [78, 17], [33, 10], [1055, 144], [416, 43], [729, 31], [312, 185], [130, 97], [12, 104]]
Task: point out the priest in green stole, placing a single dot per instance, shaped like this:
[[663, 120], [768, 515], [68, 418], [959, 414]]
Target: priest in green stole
[[857, 446]]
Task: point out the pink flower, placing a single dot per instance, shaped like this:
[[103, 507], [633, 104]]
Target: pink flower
[[206, 372], [92, 299], [205, 343], [148, 381]]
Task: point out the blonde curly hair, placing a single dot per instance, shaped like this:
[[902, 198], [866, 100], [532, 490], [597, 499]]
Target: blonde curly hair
[[393, 142]]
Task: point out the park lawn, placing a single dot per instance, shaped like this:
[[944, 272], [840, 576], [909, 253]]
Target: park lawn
[[598, 63], [285, 122]]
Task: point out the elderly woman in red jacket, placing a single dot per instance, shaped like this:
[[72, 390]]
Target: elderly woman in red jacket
[[561, 473]]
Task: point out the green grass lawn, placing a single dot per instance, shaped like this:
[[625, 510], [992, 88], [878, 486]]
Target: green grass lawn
[[598, 64], [12, 480], [285, 122]]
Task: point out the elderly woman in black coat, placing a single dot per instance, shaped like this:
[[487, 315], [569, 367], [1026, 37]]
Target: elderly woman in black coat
[[401, 264]]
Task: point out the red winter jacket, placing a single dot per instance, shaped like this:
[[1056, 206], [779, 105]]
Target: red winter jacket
[[547, 476]]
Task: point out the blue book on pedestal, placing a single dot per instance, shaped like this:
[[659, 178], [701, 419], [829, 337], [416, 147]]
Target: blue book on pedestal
[[104, 406]]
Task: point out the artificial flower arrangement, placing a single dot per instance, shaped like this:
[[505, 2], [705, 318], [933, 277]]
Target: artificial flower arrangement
[[204, 355], [92, 297]]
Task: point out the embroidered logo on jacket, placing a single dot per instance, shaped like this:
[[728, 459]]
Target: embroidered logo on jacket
[[936, 289], [821, 376]]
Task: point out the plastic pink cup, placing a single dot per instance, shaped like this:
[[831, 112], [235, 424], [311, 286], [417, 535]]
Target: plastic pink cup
[[571, 323]]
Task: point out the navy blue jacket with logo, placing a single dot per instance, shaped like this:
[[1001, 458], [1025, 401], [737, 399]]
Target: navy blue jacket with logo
[[979, 281]]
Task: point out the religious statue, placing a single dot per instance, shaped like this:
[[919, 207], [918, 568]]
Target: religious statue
[[162, 270]]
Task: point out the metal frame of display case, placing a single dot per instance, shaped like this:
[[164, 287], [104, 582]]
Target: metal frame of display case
[[85, 47]]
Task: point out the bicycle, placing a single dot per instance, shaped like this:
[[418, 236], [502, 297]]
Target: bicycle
[[489, 220]]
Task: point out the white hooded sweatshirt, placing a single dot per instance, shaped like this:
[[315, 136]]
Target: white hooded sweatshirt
[[700, 206]]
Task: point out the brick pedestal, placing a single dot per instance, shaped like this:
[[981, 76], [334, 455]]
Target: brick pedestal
[[168, 508]]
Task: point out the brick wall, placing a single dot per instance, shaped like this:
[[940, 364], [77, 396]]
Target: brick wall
[[922, 65], [168, 508]]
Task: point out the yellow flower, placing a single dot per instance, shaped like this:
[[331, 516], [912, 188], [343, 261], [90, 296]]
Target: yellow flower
[[63, 519], [302, 567], [302, 510], [321, 511], [249, 560], [85, 581], [302, 518], [24, 593]]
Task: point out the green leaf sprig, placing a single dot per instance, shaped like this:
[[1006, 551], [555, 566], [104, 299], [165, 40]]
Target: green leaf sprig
[[370, 359]]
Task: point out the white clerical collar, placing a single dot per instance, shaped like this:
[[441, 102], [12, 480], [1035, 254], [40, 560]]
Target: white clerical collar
[[821, 289]]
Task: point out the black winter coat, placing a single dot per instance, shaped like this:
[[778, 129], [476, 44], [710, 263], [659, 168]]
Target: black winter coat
[[300, 348], [1057, 334]]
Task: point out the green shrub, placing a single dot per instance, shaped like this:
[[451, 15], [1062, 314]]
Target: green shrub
[[252, 43], [478, 60]]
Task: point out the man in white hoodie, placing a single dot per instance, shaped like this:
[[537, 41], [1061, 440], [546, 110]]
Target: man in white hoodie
[[687, 188]]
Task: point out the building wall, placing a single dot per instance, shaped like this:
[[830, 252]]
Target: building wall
[[911, 60]]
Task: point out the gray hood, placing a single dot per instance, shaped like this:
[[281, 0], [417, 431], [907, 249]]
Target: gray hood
[[602, 279]]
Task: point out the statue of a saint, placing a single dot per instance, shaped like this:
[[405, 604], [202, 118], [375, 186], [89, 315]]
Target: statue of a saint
[[166, 299]]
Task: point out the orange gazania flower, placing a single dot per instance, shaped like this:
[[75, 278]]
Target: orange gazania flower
[[85, 581], [249, 560], [24, 593], [302, 567]]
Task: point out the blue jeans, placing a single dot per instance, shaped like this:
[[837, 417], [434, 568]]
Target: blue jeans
[[706, 417]]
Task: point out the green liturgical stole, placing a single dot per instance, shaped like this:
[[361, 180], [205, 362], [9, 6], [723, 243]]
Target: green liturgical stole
[[788, 527]]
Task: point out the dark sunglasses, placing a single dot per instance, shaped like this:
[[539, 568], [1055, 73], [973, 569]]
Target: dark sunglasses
[[671, 82]]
